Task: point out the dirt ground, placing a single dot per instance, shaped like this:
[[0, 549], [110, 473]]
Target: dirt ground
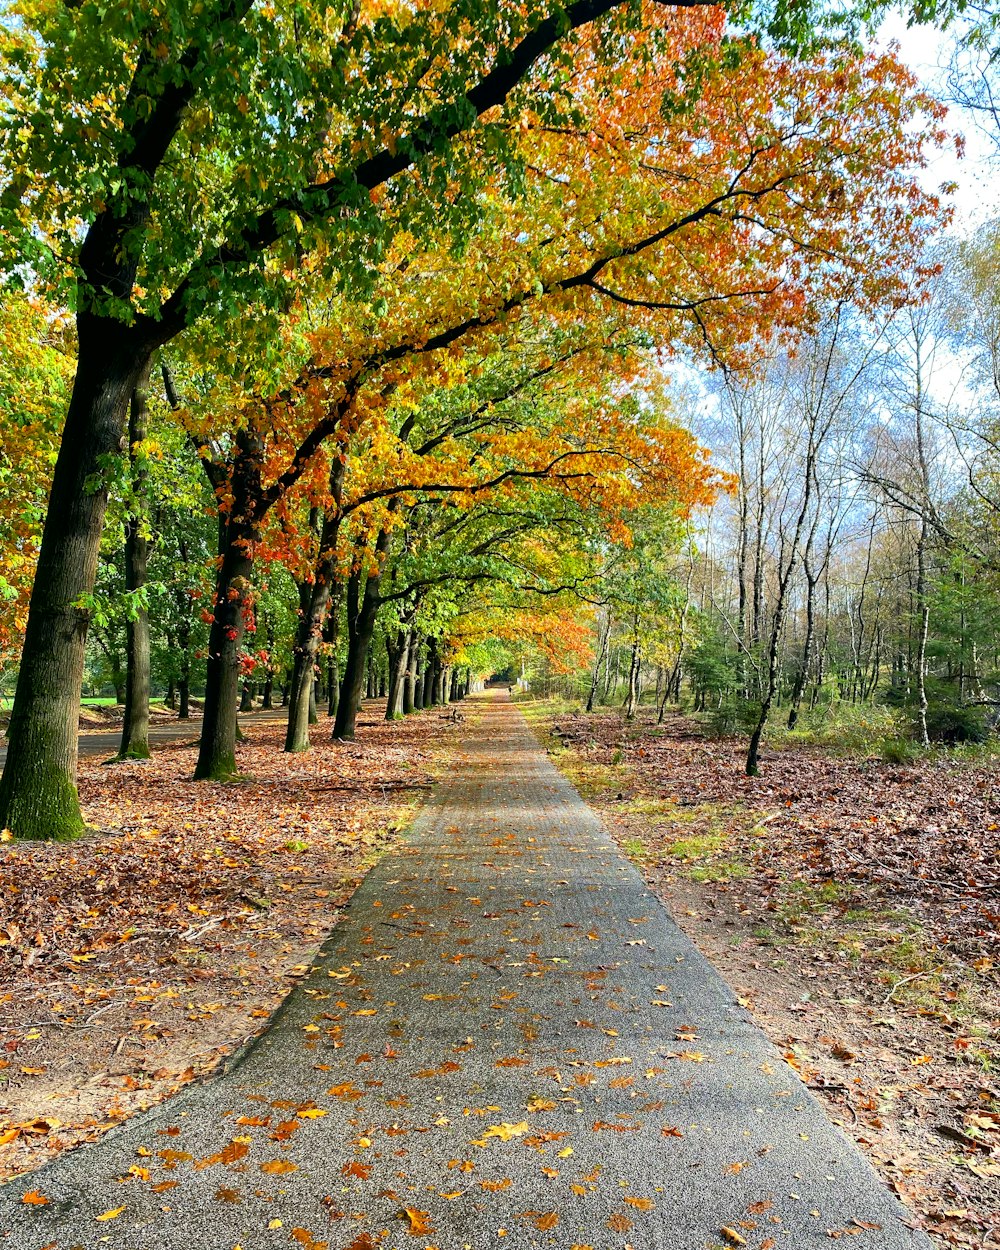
[[144, 955], [852, 905]]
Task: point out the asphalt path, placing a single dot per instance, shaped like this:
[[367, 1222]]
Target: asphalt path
[[506, 1042]]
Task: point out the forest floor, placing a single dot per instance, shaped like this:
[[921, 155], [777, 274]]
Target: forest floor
[[144, 955], [853, 906]]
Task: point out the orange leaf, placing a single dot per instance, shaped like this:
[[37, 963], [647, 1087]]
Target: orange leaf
[[34, 1199], [419, 1221], [305, 1238], [278, 1167]]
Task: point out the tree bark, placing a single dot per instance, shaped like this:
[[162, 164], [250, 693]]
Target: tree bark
[[315, 617], [410, 677], [362, 610], [331, 636], [38, 795], [398, 655], [427, 675], [233, 601], [632, 694], [135, 725], [602, 654]]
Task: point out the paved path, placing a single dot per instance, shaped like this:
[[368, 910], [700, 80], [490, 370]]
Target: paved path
[[506, 1043]]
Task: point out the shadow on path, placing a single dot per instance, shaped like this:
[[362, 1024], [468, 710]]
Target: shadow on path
[[506, 1042]]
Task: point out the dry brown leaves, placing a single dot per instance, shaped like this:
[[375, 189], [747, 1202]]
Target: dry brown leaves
[[904, 1062], [140, 956]]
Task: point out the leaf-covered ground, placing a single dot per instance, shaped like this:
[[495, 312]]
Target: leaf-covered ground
[[853, 905], [139, 958]]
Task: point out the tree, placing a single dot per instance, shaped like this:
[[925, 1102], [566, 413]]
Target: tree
[[183, 165], [35, 372]]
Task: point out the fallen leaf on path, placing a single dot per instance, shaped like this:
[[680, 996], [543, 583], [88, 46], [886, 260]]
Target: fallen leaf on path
[[419, 1221], [506, 1131], [278, 1167]]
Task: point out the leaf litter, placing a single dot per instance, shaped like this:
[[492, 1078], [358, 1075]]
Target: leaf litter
[[854, 906], [136, 959]]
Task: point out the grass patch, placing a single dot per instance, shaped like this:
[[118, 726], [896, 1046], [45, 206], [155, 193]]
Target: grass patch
[[841, 728], [698, 846], [644, 806], [720, 870]]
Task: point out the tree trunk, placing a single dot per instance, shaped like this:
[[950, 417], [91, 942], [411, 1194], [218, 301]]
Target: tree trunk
[[317, 623], [923, 623], [313, 708], [398, 654], [427, 676], [233, 601], [802, 673], [360, 627], [362, 610], [135, 725], [331, 636], [410, 677], [369, 676], [38, 796], [632, 695], [217, 754], [184, 690]]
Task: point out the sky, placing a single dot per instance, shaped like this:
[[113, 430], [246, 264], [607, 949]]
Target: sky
[[927, 52]]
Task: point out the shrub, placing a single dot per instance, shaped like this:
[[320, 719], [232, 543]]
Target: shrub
[[954, 723]]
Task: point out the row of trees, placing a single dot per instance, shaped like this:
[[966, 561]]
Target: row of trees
[[856, 561], [394, 316]]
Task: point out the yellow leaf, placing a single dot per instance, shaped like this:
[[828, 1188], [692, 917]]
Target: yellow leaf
[[109, 1215], [733, 1237], [506, 1131]]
